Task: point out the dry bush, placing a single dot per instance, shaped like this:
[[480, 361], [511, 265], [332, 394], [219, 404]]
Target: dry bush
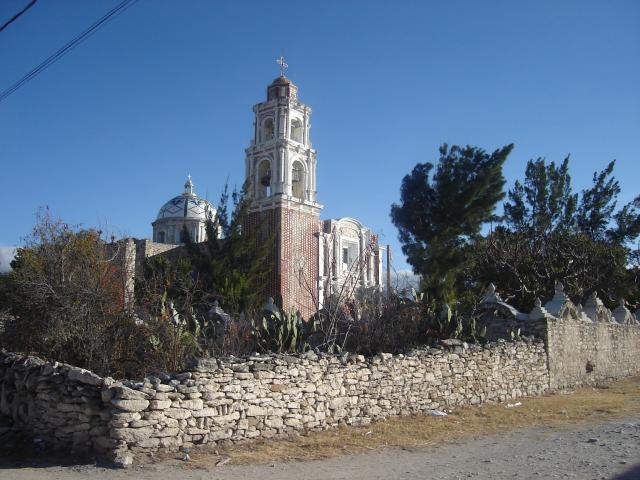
[[65, 297]]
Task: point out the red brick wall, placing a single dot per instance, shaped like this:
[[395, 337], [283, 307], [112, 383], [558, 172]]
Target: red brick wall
[[293, 283]]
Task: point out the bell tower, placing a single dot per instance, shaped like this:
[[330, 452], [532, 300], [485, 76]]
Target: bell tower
[[280, 170]]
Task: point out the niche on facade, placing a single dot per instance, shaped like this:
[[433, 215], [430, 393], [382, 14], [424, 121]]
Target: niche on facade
[[268, 131], [264, 179], [297, 180], [296, 130], [350, 253]]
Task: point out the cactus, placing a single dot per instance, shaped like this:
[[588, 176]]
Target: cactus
[[276, 332], [449, 324]]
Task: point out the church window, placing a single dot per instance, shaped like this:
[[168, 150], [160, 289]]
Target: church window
[[264, 179], [160, 237], [268, 130], [350, 252], [296, 130], [297, 180]]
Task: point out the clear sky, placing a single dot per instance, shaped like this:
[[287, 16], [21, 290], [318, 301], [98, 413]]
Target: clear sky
[[107, 134]]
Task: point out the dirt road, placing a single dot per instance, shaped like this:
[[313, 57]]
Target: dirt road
[[608, 450]]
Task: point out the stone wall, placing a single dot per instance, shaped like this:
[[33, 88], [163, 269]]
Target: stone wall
[[585, 344], [261, 396], [237, 399], [586, 354], [57, 403]]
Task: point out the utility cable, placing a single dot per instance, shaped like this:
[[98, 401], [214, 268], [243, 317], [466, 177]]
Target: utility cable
[[121, 7], [15, 17]]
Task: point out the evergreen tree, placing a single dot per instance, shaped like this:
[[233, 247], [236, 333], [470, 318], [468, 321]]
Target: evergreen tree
[[233, 263], [598, 203], [545, 202], [627, 223], [442, 212], [549, 235]]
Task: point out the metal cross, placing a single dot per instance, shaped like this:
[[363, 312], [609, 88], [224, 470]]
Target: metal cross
[[283, 66]]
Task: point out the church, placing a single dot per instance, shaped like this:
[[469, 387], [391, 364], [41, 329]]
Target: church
[[314, 259]]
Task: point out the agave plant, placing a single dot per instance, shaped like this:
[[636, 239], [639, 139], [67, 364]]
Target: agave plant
[[276, 332]]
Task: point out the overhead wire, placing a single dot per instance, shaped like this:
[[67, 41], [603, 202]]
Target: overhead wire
[[17, 15], [115, 11]]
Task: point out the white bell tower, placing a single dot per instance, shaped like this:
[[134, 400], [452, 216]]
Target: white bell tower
[[280, 163]]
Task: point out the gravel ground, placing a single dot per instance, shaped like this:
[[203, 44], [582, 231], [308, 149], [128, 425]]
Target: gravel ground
[[609, 450]]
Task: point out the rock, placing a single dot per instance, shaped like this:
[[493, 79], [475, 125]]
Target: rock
[[161, 387], [124, 417], [130, 405], [159, 404], [178, 413], [195, 404], [84, 376], [122, 459], [132, 435], [205, 412], [255, 411], [125, 393]]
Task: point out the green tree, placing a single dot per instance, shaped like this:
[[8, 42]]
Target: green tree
[[544, 202], [627, 223], [234, 262], [524, 266], [551, 234], [598, 203], [441, 212]]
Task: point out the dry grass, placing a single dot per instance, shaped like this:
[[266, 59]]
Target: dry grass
[[586, 405]]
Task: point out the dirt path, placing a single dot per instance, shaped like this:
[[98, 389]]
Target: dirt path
[[608, 450]]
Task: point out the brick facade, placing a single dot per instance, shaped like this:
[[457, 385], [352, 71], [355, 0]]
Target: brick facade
[[293, 282]]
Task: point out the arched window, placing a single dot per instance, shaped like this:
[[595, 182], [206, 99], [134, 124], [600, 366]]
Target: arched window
[[296, 130], [264, 179], [267, 130], [160, 237], [297, 180]]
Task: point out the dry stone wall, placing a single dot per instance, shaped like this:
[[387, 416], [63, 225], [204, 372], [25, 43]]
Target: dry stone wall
[[57, 403], [261, 396], [237, 399]]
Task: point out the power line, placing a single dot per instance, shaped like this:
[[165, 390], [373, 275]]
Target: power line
[[121, 7], [15, 17]]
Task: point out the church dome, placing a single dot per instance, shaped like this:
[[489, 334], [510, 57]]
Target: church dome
[[281, 80], [187, 206]]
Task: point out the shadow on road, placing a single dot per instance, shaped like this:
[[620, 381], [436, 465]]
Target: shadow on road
[[19, 451], [632, 474]]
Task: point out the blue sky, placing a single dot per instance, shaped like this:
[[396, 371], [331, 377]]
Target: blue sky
[[107, 134]]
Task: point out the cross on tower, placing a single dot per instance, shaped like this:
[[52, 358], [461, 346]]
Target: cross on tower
[[283, 65]]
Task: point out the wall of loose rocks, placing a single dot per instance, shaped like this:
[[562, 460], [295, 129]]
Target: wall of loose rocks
[[587, 353], [57, 403], [236, 399], [261, 396]]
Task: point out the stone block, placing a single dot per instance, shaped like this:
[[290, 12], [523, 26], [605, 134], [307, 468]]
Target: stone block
[[129, 405], [159, 404], [84, 376]]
